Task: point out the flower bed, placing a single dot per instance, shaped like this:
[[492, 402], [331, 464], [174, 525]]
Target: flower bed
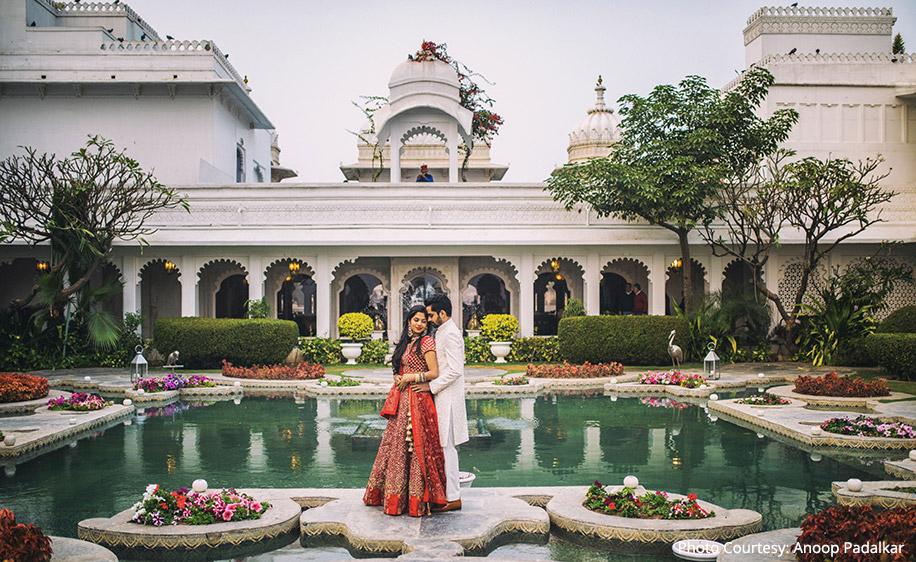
[[837, 526], [340, 381], [511, 380], [864, 426], [301, 371], [765, 399], [674, 378], [656, 402], [19, 387], [22, 542], [651, 505], [159, 507], [173, 382], [566, 371], [78, 402], [833, 384]]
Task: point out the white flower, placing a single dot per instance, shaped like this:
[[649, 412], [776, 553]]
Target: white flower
[[151, 489]]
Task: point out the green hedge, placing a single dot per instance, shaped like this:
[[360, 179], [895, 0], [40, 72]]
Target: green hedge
[[853, 353], [900, 321], [374, 352], [477, 350], [896, 353], [324, 351], [535, 350], [631, 340], [205, 342]]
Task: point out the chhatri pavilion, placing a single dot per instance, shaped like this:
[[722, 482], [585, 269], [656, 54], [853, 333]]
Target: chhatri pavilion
[[317, 250]]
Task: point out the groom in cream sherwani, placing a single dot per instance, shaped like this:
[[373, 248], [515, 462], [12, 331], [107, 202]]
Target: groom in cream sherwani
[[448, 392]]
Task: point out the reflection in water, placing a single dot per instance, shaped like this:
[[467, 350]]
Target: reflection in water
[[558, 440]]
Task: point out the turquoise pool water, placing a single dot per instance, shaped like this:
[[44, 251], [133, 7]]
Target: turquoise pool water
[[555, 440]]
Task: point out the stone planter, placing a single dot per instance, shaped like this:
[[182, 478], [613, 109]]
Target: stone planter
[[466, 479], [351, 352], [473, 333], [377, 334], [501, 350]]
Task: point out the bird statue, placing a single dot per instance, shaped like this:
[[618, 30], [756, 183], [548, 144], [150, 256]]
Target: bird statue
[[675, 351], [172, 359], [793, 51]]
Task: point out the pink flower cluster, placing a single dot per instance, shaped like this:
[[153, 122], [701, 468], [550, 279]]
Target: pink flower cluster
[[656, 402], [675, 378], [159, 507], [173, 382], [865, 426], [78, 402]]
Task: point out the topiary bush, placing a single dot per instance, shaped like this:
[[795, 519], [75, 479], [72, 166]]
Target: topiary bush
[[900, 321], [325, 351], [205, 343], [477, 350], [355, 325], [631, 340], [535, 350], [895, 353], [374, 352], [574, 307], [498, 327]]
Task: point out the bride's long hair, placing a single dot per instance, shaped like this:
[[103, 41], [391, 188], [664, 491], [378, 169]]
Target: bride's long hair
[[405, 338]]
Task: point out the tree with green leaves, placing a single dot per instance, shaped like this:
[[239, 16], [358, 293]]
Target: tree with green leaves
[[79, 206], [898, 47], [677, 145]]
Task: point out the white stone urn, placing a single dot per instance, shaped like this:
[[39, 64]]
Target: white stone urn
[[9, 440], [377, 334], [473, 333], [500, 349], [351, 351], [466, 479]]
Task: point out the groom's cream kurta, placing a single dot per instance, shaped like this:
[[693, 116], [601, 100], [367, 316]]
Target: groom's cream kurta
[[448, 387]]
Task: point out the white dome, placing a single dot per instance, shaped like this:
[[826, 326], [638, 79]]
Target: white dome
[[411, 77], [599, 126]]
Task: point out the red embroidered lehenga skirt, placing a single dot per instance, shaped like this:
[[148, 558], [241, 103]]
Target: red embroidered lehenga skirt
[[409, 470]]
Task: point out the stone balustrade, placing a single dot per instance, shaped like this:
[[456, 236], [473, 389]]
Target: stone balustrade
[[811, 11], [174, 47]]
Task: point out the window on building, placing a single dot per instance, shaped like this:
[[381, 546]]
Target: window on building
[[258, 172], [240, 163]]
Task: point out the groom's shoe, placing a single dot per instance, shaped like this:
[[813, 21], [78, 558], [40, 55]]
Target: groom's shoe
[[450, 506]]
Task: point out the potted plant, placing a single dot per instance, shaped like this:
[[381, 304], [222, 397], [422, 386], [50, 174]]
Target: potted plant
[[499, 330], [473, 328], [353, 327]]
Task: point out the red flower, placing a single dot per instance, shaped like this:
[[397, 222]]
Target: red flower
[[692, 497]]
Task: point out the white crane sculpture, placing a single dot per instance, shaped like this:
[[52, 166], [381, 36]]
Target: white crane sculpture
[[675, 351]]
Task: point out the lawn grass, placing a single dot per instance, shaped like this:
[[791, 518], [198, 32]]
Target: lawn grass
[[907, 387]]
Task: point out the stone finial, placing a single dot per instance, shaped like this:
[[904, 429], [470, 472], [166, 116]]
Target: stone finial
[[599, 92]]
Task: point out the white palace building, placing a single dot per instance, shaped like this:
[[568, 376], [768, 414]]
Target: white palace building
[[315, 251]]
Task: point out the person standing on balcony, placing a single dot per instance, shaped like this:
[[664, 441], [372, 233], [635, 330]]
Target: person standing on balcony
[[424, 175]]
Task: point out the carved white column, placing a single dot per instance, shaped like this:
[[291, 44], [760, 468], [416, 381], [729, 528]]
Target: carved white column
[[394, 302], [592, 285], [395, 156], [255, 278], [323, 297], [715, 274], [526, 294], [131, 287], [657, 277], [188, 282], [453, 155]]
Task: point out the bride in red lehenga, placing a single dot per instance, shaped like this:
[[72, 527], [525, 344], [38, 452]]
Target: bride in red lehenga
[[409, 470]]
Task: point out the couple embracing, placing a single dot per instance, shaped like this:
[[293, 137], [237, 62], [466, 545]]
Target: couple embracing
[[416, 468]]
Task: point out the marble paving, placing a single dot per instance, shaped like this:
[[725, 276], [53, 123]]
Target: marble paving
[[74, 550], [771, 546]]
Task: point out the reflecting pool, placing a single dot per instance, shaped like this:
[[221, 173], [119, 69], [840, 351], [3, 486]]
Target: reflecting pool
[[553, 440]]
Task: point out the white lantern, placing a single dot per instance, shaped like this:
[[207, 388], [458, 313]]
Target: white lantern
[[138, 366], [713, 397], [631, 482], [199, 485], [854, 485], [128, 402], [711, 363]]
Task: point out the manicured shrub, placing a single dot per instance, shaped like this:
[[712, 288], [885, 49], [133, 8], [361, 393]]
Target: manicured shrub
[[205, 343], [567, 371], [900, 321], [853, 353], [374, 352], [477, 350], [859, 525], [832, 384], [355, 325], [535, 350], [631, 340], [302, 371], [22, 542], [325, 351], [499, 327], [18, 387], [895, 353]]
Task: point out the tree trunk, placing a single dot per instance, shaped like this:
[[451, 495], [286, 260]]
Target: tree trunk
[[686, 271]]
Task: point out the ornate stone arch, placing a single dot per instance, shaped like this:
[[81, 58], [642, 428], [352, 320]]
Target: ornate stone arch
[[434, 271], [221, 261], [157, 261], [306, 268], [562, 260], [636, 262], [422, 130]]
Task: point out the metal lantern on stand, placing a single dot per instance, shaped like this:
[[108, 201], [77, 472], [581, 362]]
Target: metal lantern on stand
[[711, 363], [138, 367]]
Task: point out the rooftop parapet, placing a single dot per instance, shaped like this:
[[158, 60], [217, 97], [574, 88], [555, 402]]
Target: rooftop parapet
[[175, 46], [94, 9]]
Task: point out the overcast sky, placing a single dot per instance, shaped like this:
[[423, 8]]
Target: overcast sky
[[306, 61]]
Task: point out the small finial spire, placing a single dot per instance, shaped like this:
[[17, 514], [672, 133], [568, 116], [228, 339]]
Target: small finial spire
[[599, 91]]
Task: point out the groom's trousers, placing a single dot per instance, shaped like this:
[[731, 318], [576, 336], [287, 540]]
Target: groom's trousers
[[452, 488]]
